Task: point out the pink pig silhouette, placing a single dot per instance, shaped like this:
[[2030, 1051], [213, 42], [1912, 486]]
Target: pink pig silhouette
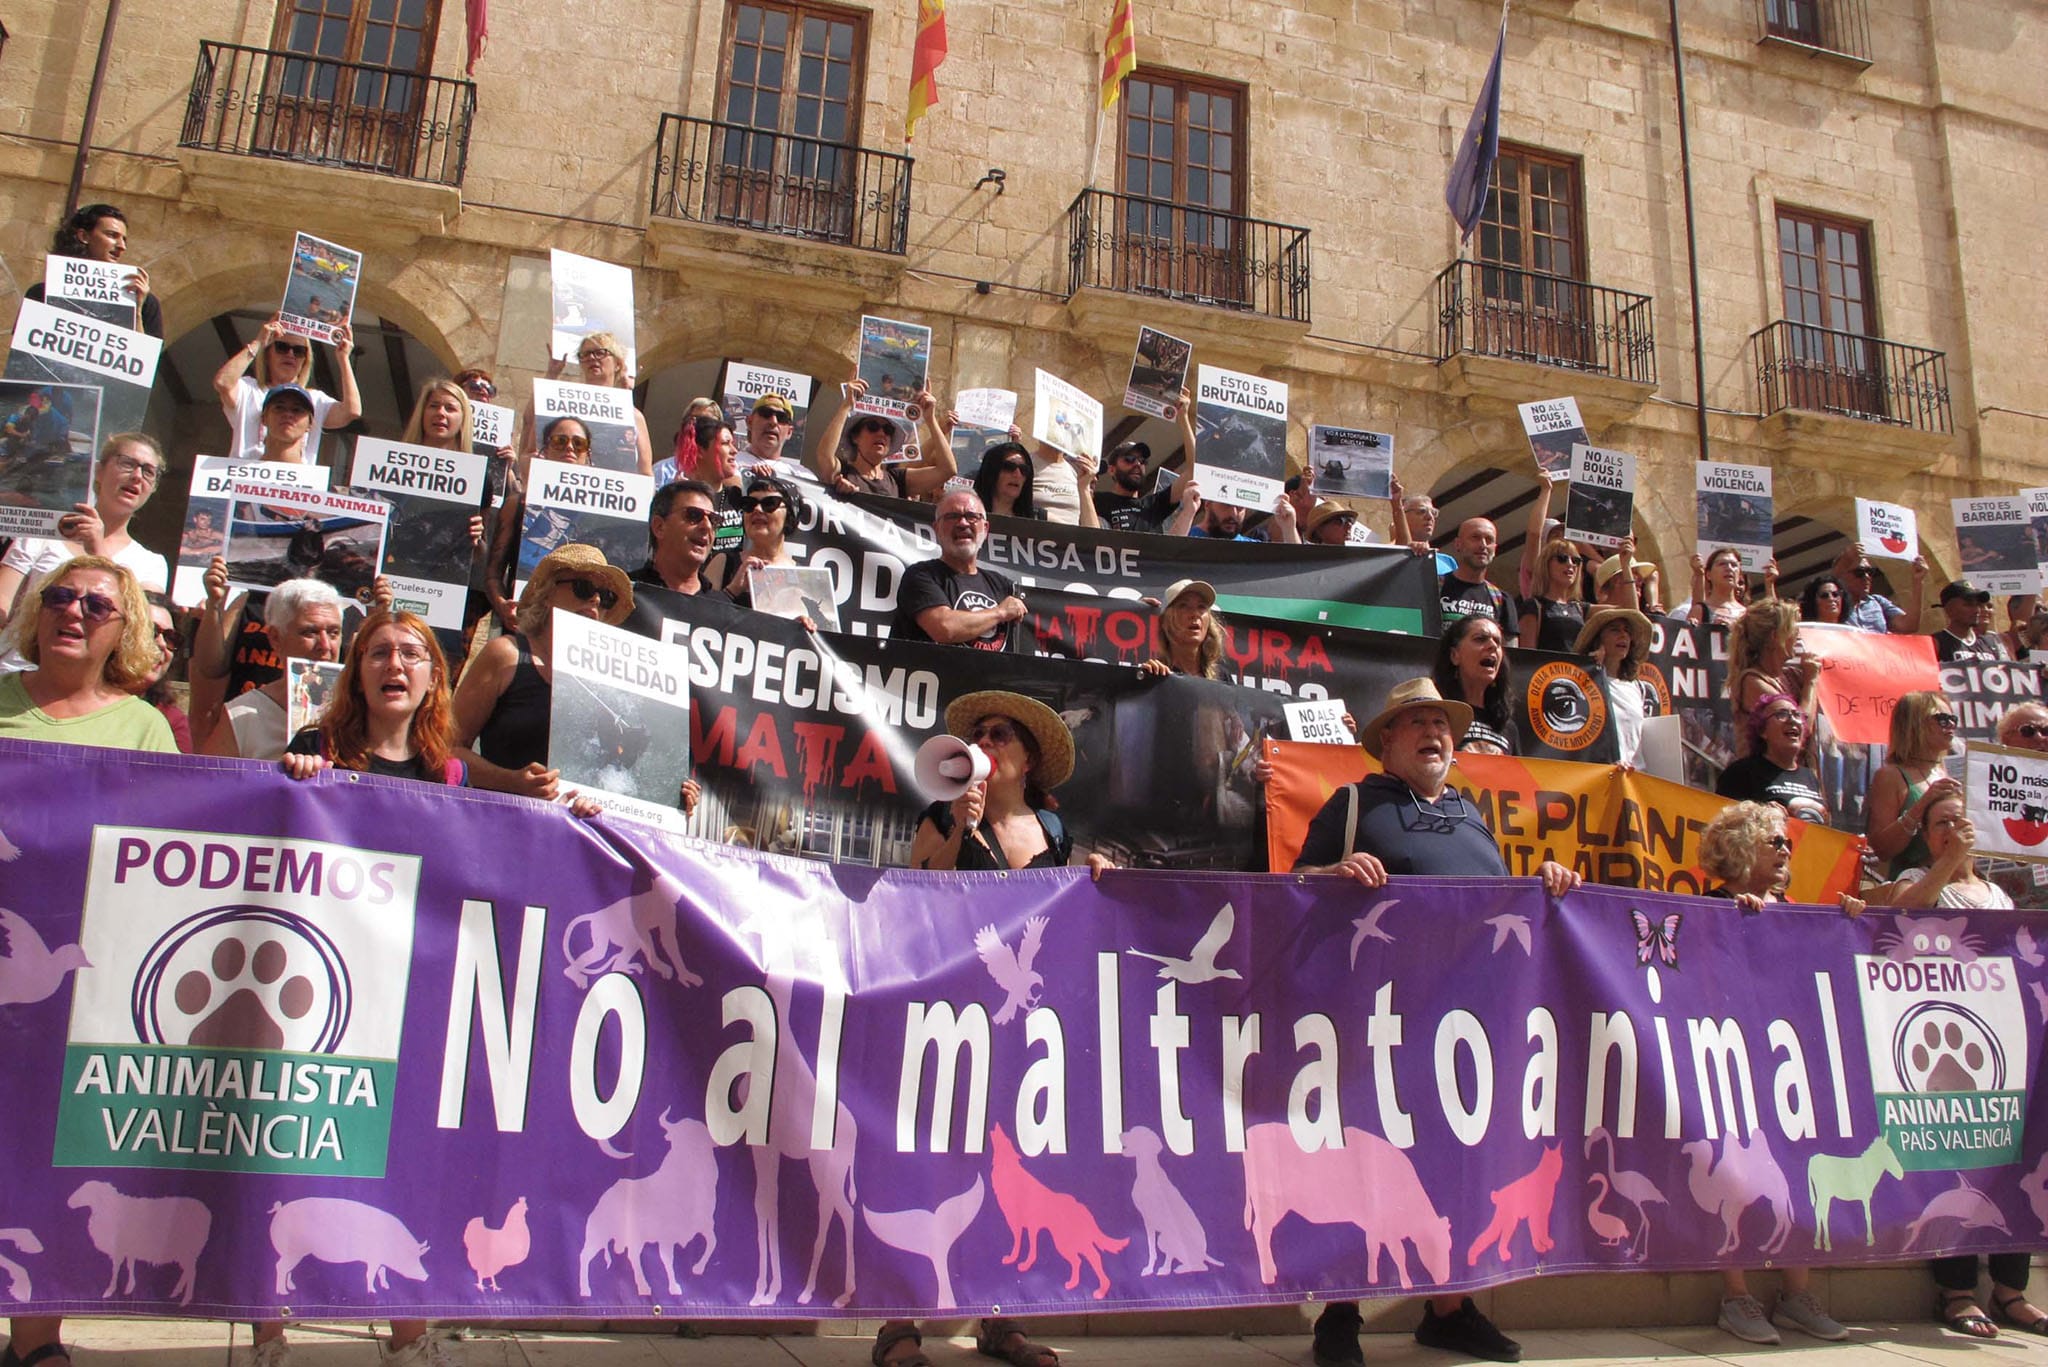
[[1368, 1183]]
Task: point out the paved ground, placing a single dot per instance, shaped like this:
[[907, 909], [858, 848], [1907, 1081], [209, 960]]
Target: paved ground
[[1909, 1343]]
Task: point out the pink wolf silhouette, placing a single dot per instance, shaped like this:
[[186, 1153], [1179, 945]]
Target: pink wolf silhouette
[[1029, 1205]]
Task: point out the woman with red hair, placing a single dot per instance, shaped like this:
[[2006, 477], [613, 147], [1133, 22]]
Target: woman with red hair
[[390, 713]]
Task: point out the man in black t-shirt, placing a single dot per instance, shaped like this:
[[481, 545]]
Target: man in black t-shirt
[[1121, 506], [951, 600], [1961, 604], [1464, 592]]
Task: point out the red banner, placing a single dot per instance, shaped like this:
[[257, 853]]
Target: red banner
[[1862, 673]]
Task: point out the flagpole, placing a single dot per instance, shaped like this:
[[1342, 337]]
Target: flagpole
[[1692, 249]]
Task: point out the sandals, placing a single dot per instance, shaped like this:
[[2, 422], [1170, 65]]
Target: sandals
[[889, 1337], [1958, 1310], [990, 1335], [2002, 1307]]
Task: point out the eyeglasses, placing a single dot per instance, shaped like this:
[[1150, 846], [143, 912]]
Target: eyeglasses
[[1121, 457], [1428, 821], [1945, 720], [692, 515], [1784, 714], [412, 657], [1828, 594], [93, 607], [128, 465], [593, 355], [562, 441], [963, 517], [585, 591], [1001, 732], [767, 503], [292, 348], [168, 636], [2030, 730], [1782, 844]]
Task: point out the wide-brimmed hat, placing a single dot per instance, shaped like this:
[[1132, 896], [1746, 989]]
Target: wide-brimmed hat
[[1324, 512], [1408, 696], [1638, 631], [578, 561], [1200, 587], [1055, 742], [1611, 566]]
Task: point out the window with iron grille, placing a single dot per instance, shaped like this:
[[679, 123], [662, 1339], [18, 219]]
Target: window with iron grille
[[1531, 250], [1181, 166], [1831, 313], [787, 158]]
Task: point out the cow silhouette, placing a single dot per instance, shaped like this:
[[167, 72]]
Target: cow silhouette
[[668, 1208]]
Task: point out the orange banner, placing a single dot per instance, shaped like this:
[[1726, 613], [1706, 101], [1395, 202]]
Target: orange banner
[[1862, 673], [1618, 827]]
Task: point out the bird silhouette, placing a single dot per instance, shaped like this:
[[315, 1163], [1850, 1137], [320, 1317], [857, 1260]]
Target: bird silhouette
[[9, 851], [1369, 927], [1607, 1227], [1200, 965], [1632, 1187], [2029, 952], [1510, 924], [1012, 968], [31, 970]]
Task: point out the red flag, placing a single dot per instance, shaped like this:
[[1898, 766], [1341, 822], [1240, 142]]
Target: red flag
[[479, 15], [925, 57]]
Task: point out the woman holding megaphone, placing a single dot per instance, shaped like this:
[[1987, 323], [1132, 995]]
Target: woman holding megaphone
[[1001, 813]]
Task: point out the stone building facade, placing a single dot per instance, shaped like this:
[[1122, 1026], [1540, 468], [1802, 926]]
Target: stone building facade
[[1915, 127]]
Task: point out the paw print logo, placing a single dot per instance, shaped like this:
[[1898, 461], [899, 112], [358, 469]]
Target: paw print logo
[[1943, 1047], [243, 978]]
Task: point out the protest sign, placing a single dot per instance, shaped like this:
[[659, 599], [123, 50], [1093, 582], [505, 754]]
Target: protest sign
[[1351, 462], [1611, 825], [209, 508], [1863, 673], [2005, 791], [794, 591], [1066, 419], [1318, 721], [1240, 437], [320, 288], [748, 382], [606, 415], [473, 1041], [1159, 371], [279, 532], [1553, 427], [490, 427], [69, 348], [993, 410], [578, 504], [49, 438], [309, 687], [619, 719], [1600, 509], [1734, 510], [969, 445], [895, 359], [1886, 529], [1995, 544], [97, 289], [589, 296], [428, 549], [2037, 523]]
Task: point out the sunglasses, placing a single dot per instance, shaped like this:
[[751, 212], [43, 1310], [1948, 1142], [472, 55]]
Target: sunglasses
[[585, 591], [480, 389], [1001, 732], [1573, 560], [563, 442], [693, 515], [1863, 572], [1945, 720], [1781, 844], [774, 416], [93, 607], [2031, 730], [1014, 465], [963, 517], [767, 503], [292, 348]]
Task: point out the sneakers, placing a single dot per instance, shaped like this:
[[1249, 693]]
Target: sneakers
[[424, 1351], [1466, 1332], [1799, 1310], [1336, 1336], [272, 1353], [1743, 1316]]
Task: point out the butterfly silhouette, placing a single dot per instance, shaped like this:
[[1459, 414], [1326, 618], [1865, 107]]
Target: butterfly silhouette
[[1659, 939]]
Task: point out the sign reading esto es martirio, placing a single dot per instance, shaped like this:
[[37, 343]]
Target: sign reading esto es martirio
[[242, 1006], [1946, 1032]]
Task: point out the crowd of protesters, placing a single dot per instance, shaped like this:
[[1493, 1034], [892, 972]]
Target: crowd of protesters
[[91, 647]]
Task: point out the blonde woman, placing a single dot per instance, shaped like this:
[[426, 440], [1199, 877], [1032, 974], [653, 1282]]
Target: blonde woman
[[601, 361], [280, 357], [1764, 658], [1912, 780]]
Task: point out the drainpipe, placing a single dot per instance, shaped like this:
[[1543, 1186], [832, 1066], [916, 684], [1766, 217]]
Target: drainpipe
[[1692, 248], [92, 108]]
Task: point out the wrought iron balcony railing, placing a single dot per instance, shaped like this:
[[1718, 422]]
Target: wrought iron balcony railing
[[1487, 310], [1802, 366], [263, 102], [1151, 246], [1834, 28], [706, 171]]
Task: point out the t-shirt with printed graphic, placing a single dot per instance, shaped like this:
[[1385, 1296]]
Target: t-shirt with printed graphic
[[935, 584], [1462, 598]]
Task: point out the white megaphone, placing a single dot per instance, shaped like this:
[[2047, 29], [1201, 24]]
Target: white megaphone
[[947, 765]]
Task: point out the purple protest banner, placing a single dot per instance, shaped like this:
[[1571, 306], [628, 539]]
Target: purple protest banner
[[358, 1046]]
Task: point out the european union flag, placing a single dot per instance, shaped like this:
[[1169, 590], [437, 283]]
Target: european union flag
[[1472, 172]]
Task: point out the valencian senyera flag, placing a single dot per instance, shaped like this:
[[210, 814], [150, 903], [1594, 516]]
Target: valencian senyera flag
[[925, 56], [1472, 171], [1119, 51]]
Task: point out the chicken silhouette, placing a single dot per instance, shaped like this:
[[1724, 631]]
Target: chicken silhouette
[[1012, 968], [1200, 965], [31, 970], [491, 1251]]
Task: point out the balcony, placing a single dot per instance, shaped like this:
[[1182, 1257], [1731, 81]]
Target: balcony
[[1496, 325], [1849, 394], [1819, 28], [1126, 244], [729, 176]]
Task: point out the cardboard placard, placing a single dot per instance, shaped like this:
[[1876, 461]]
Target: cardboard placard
[[56, 347], [895, 361], [1159, 371], [49, 437], [1066, 418], [1240, 437], [1995, 544], [1734, 510], [1553, 427], [1351, 461], [1600, 509], [280, 532], [586, 296], [1889, 530], [209, 506], [320, 288], [427, 549], [619, 725]]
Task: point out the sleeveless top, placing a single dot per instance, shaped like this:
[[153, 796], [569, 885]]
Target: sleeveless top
[[982, 852], [517, 733], [1916, 855]]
